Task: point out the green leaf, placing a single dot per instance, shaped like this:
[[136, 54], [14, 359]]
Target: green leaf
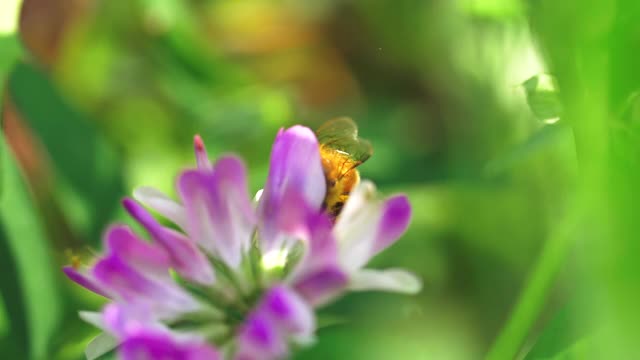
[[111, 355], [581, 349], [81, 155], [566, 335], [10, 48], [327, 320], [29, 288], [14, 337], [10, 52], [493, 9]]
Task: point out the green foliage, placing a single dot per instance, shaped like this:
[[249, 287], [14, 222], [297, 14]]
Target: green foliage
[[500, 9], [81, 155], [565, 333], [11, 50], [29, 286], [543, 139], [524, 186]]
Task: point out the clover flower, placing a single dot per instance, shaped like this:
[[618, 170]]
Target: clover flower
[[236, 278]]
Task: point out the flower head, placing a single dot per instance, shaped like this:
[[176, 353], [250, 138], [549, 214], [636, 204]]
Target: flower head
[[239, 279]]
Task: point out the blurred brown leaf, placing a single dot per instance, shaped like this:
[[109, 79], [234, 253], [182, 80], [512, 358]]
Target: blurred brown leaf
[[44, 24]]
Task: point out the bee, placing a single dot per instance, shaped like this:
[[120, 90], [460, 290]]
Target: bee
[[78, 258], [341, 151]]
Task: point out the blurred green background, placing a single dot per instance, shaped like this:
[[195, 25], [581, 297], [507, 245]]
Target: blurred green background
[[512, 125]]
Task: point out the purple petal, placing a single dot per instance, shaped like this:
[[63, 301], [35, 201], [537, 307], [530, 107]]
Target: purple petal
[[128, 318], [115, 274], [164, 296], [396, 215], [321, 285], [281, 316], [143, 256], [187, 260], [288, 310], [260, 339], [318, 276], [219, 213], [153, 346], [295, 168], [84, 281], [323, 248], [295, 162], [367, 225], [288, 224], [201, 153]]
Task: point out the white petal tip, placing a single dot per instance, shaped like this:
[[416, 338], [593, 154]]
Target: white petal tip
[[92, 317], [164, 205], [258, 195], [143, 193], [100, 345], [393, 280]]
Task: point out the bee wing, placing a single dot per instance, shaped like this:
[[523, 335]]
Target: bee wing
[[341, 134]]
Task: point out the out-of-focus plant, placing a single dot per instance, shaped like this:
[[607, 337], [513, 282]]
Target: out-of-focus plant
[[511, 124]]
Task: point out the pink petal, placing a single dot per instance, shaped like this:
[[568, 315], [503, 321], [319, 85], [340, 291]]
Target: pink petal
[[123, 319], [295, 170], [322, 284], [288, 310], [318, 276], [163, 296], [396, 215], [201, 153], [368, 225], [153, 346], [143, 256], [260, 339], [187, 260], [85, 281], [281, 316], [219, 213]]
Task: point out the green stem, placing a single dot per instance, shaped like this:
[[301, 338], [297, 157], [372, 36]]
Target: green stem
[[534, 295], [585, 89]]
